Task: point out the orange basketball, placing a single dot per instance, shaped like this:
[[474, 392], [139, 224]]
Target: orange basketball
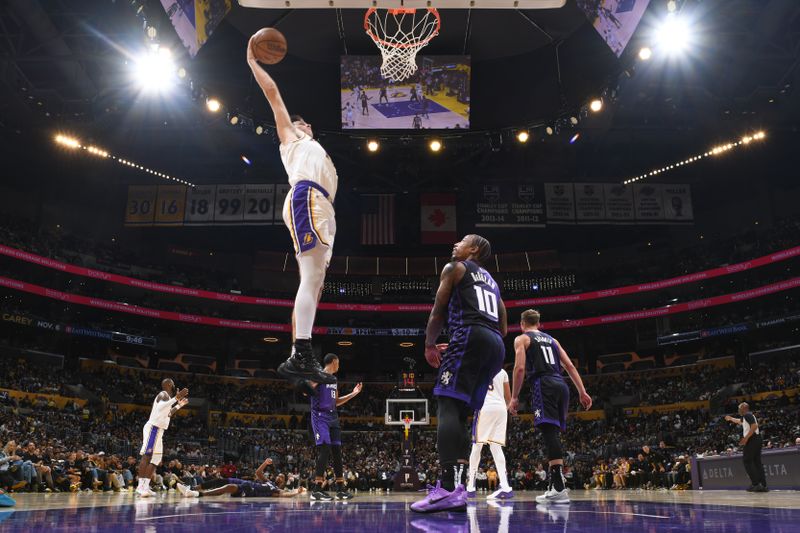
[[269, 46]]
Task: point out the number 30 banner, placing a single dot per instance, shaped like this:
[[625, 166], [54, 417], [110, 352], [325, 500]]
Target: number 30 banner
[[204, 205]]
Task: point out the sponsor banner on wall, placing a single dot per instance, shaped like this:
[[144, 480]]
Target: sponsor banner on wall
[[781, 469], [114, 336], [511, 206]]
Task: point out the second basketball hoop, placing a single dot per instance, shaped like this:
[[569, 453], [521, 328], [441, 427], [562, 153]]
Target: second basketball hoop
[[400, 34]]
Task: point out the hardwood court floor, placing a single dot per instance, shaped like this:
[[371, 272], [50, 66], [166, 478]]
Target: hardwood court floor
[[591, 511]]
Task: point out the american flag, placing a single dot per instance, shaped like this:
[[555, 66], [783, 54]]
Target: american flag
[[377, 219]]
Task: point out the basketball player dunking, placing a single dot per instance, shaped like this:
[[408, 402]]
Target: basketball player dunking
[[165, 405], [470, 300], [309, 215], [489, 427], [542, 358]]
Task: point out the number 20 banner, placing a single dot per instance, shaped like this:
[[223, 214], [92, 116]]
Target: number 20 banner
[[204, 205]]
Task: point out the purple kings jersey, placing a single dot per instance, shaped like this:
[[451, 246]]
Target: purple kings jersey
[[325, 397], [475, 300], [542, 357]]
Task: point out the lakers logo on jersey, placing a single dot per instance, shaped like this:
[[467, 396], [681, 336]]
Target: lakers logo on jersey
[[308, 238]]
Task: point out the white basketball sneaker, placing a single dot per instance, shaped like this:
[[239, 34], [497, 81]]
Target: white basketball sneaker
[[186, 492], [554, 496]]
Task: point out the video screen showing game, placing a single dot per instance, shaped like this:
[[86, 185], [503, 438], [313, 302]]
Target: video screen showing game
[[437, 96], [615, 20]]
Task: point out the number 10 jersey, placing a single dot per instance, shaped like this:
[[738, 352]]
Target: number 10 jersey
[[475, 300]]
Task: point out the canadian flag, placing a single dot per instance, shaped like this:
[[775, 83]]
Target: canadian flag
[[438, 218]]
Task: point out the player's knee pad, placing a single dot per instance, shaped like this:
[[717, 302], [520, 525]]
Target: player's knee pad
[[552, 442]]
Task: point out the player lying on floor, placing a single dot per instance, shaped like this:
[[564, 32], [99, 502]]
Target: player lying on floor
[[241, 488]]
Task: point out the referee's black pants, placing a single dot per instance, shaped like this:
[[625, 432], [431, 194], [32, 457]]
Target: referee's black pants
[[752, 461]]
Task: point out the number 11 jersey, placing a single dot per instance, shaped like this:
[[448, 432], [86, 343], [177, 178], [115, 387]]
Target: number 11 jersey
[[475, 300]]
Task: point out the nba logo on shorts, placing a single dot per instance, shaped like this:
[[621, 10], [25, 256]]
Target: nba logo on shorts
[[308, 238]]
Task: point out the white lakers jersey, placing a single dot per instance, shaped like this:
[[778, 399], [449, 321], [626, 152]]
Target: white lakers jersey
[[159, 416], [495, 399], [305, 159]]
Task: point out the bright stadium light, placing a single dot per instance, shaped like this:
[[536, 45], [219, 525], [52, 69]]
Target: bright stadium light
[[674, 35], [596, 105], [435, 145], [645, 53], [373, 146], [69, 142], [523, 136], [213, 105], [155, 70]]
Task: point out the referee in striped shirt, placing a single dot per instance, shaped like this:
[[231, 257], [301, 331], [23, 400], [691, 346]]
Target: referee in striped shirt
[[752, 448]]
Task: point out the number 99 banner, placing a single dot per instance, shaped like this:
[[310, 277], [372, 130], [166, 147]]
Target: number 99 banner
[[204, 205]]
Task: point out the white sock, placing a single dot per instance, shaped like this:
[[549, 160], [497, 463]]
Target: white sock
[[500, 464], [146, 484], [141, 483], [474, 462], [312, 265]]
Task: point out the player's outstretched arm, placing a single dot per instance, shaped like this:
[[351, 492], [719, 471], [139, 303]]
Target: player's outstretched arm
[[451, 275], [283, 122], [341, 400], [521, 344], [260, 470], [566, 363]]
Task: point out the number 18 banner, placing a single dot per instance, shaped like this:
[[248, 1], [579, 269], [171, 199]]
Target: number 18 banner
[[200, 202]]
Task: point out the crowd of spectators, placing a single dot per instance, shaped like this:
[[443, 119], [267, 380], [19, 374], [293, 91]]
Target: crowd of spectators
[[90, 447]]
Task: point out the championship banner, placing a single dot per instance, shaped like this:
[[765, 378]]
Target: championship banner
[[560, 201], [511, 206], [590, 206], [170, 205], [141, 206], [649, 202], [124, 307], [438, 218], [619, 203], [694, 277], [195, 20]]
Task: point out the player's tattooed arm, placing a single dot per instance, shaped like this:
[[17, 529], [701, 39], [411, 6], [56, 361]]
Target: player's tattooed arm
[[451, 275], [283, 122]]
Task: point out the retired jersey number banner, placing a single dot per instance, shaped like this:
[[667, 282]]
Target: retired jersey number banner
[[205, 205]]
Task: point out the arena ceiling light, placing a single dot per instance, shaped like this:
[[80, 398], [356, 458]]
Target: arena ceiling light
[[712, 152], [645, 53], [271, 340], [596, 105], [345, 343], [75, 144], [373, 145], [213, 105], [406, 344], [674, 35], [155, 71], [435, 145], [523, 136]]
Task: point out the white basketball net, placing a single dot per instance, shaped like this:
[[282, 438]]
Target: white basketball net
[[399, 35]]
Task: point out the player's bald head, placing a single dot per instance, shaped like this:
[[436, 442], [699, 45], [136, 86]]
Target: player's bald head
[[744, 408], [167, 385]]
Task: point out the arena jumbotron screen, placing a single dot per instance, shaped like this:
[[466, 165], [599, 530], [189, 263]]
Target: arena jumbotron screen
[[437, 96]]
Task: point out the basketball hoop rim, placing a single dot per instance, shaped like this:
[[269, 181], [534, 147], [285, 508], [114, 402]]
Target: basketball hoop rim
[[397, 11]]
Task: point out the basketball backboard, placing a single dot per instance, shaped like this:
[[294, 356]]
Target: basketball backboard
[[398, 409], [409, 4]]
